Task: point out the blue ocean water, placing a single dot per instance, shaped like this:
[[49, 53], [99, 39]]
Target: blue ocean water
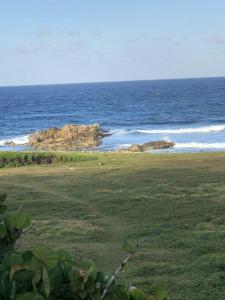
[[190, 112]]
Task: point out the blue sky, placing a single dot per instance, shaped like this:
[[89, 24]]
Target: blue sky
[[48, 41]]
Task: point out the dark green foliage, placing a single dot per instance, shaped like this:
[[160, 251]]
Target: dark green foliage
[[11, 227], [16, 159], [44, 273]]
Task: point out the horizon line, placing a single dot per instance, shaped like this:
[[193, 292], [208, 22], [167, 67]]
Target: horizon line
[[112, 81]]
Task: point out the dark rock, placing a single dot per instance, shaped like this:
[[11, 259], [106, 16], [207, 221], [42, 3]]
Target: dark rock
[[157, 145], [10, 144]]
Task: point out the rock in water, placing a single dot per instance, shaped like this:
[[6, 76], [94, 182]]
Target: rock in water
[[155, 145], [136, 148], [10, 144], [70, 137]]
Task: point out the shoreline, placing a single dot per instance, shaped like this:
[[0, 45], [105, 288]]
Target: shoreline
[[195, 138], [120, 150], [24, 149]]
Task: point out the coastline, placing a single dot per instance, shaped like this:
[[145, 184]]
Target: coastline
[[189, 113], [201, 138]]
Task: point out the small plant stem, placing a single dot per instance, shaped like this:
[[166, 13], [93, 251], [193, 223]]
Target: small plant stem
[[115, 274]]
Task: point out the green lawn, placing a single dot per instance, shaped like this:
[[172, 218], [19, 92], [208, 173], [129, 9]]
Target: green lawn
[[176, 202]]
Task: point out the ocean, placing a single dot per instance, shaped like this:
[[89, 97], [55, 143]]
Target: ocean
[[189, 112]]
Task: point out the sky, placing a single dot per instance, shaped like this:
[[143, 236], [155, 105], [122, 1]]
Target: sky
[[69, 41]]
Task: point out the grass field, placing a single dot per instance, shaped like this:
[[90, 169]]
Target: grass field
[[176, 202]]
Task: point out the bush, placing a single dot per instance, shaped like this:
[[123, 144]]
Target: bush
[[16, 159], [44, 273]]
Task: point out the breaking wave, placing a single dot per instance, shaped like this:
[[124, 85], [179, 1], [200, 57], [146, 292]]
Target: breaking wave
[[189, 130], [200, 145], [18, 140]]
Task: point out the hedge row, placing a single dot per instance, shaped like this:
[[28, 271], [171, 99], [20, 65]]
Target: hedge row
[[16, 159]]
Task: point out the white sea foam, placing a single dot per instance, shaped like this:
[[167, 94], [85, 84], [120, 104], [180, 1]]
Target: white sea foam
[[200, 145], [124, 145], [188, 130], [204, 129], [18, 140], [166, 139], [119, 132]]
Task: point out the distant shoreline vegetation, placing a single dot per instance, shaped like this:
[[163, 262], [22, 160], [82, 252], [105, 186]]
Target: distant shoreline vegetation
[[17, 159]]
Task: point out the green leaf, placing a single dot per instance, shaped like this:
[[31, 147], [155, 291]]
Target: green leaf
[[90, 273], [36, 267], [11, 260], [75, 281], [86, 264], [83, 294], [102, 278], [27, 255], [19, 221], [64, 256], [46, 282], [10, 221], [29, 296], [46, 255], [23, 221], [13, 290], [89, 269], [2, 231], [23, 276], [56, 276], [2, 287], [3, 207], [3, 197]]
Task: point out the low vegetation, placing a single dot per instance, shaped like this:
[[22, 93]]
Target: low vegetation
[[175, 202], [16, 159], [44, 273]]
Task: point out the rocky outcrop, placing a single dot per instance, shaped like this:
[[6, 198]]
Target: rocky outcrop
[[155, 145], [10, 144], [136, 148], [70, 137]]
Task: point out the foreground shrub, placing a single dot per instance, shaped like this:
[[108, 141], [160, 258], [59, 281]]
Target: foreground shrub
[[16, 159], [44, 273]]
